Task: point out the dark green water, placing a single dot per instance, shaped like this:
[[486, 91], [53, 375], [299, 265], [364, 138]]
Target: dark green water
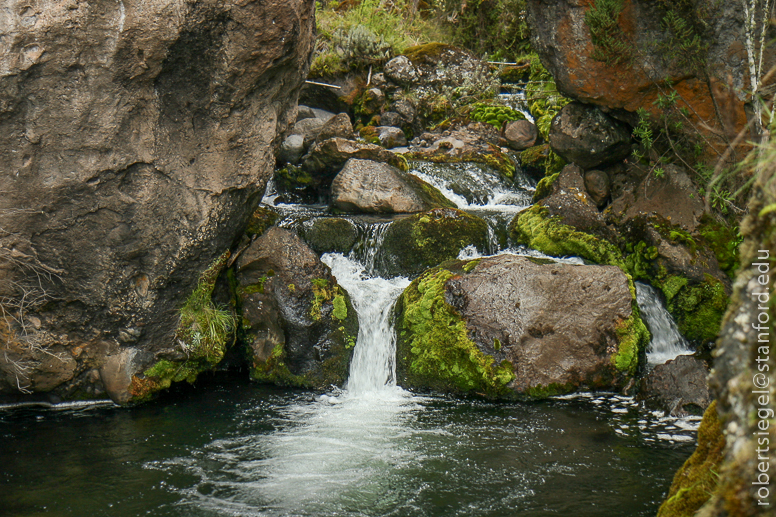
[[228, 448]]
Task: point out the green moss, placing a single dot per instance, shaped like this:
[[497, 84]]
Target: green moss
[[331, 234], [538, 230], [551, 390], [428, 193], [428, 53], [275, 371], [260, 221], [633, 337], [698, 309], [434, 348], [724, 241], [540, 160], [370, 135], [494, 115], [469, 266], [544, 187], [340, 307], [640, 259], [327, 65], [421, 241], [697, 480], [322, 293]]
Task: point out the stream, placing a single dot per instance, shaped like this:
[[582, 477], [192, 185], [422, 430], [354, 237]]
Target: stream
[[226, 447]]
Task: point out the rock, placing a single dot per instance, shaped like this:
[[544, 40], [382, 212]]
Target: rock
[[585, 135], [373, 187], [379, 80], [331, 235], [304, 112], [570, 202], [372, 101], [597, 185], [562, 39], [152, 134], [292, 149], [520, 134], [405, 109], [391, 118], [391, 137], [401, 71], [678, 387], [309, 129], [325, 159], [299, 323], [416, 243], [337, 126], [508, 327]]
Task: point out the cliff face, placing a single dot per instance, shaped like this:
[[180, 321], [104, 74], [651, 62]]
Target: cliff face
[[135, 140], [645, 48]]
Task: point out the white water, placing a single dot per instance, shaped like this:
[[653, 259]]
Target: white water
[[667, 343], [373, 366]]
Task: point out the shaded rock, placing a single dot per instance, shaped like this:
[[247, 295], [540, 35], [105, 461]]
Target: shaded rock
[[520, 134], [585, 135], [292, 149], [678, 387], [309, 129], [372, 187], [508, 327], [425, 240], [304, 112], [331, 235], [401, 71], [391, 118], [597, 185], [570, 202], [299, 323], [325, 159], [152, 137], [337, 126], [372, 101], [405, 109], [391, 137]]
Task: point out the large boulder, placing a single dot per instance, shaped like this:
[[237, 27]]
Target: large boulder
[[636, 75], [299, 324], [135, 141], [678, 387], [509, 327], [373, 187], [585, 135], [416, 243]]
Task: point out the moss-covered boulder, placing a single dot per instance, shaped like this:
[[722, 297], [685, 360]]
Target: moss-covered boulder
[[331, 234], [416, 243], [540, 161], [371, 187], [298, 325], [697, 480], [509, 327]]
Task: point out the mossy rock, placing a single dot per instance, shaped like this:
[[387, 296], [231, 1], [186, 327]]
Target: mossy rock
[[544, 187], [540, 161], [698, 309], [694, 483], [433, 347], [724, 241], [494, 115], [331, 234], [260, 221], [428, 53], [425, 240]]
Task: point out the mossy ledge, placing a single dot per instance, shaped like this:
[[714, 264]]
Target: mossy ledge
[[698, 478], [203, 334], [434, 350]]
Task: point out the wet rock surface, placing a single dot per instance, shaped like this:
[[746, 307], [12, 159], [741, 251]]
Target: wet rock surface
[[678, 387]]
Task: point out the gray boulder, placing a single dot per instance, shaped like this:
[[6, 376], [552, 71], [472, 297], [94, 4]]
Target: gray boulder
[[520, 134], [585, 135], [308, 129], [391, 137], [679, 387], [292, 149], [337, 126], [372, 187]]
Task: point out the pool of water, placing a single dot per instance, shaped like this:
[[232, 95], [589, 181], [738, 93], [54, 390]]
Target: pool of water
[[231, 448]]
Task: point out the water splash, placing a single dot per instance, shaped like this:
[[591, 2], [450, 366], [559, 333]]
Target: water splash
[[373, 366], [667, 343]]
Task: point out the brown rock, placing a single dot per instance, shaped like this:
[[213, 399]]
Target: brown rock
[[679, 387], [337, 126], [598, 186], [133, 137], [327, 158], [520, 134]]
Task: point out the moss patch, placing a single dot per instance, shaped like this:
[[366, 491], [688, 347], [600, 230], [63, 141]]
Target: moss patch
[[428, 53], [434, 349], [698, 309], [697, 479], [260, 221], [275, 371], [551, 390], [544, 187], [634, 338], [425, 240]]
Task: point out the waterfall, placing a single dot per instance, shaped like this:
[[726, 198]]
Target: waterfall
[[369, 244], [373, 366], [667, 343]]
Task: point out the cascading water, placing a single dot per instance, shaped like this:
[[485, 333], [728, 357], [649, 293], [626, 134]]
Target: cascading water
[[373, 365], [667, 342]]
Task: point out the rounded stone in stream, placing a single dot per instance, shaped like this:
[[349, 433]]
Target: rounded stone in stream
[[371, 187], [679, 387], [416, 243], [507, 327], [520, 134], [331, 234], [337, 126]]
